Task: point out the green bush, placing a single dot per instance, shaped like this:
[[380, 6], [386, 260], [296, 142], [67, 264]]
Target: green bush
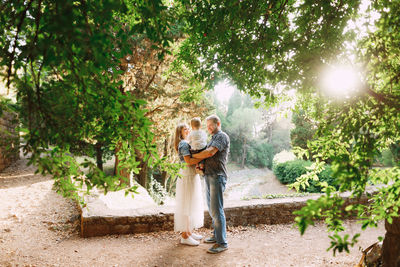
[[289, 171], [324, 176], [395, 149], [386, 158]]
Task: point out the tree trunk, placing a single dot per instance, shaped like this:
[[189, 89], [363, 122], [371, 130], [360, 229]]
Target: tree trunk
[[269, 133], [391, 244], [99, 156], [164, 174], [142, 176], [244, 153], [122, 172]]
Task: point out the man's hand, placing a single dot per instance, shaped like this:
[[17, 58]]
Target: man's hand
[[207, 153], [191, 161]]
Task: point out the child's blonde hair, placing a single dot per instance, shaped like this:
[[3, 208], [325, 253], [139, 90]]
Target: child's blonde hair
[[195, 123]]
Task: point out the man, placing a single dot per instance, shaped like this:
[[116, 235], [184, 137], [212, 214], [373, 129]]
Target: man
[[215, 175]]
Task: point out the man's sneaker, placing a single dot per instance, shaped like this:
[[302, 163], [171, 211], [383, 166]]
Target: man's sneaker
[[196, 236], [189, 241], [210, 240], [217, 248]]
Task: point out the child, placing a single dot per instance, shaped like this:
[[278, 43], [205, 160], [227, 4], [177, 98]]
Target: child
[[197, 141]]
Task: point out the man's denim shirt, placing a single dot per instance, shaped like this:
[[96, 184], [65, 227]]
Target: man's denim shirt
[[216, 165]]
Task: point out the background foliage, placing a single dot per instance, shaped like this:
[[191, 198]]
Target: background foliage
[[256, 134]]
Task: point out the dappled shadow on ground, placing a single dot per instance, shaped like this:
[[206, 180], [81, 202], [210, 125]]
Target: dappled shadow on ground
[[19, 174], [33, 219], [39, 228]]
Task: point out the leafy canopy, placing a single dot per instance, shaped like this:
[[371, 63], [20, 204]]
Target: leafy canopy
[[64, 60], [266, 48]]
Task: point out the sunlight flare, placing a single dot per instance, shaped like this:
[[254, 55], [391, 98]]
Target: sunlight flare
[[340, 81], [223, 91]]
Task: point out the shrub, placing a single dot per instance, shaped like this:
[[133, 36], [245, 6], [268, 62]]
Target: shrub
[[287, 173], [387, 158], [395, 149], [157, 191], [324, 176]]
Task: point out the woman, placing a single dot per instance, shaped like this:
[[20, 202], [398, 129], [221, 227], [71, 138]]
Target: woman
[[189, 213]]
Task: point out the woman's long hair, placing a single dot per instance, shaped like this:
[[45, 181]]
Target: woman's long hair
[[178, 134]]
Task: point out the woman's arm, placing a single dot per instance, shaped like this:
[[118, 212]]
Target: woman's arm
[[191, 161]]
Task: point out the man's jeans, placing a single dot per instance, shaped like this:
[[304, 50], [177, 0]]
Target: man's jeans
[[215, 187]]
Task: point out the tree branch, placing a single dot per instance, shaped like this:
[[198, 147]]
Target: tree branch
[[388, 100], [23, 15], [282, 8], [154, 75]]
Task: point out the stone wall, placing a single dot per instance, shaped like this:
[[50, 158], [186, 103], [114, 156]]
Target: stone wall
[[9, 139], [262, 211], [267, 213], [99, 226]]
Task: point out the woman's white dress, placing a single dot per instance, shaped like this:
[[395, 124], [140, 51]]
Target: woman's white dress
[[189, 209]]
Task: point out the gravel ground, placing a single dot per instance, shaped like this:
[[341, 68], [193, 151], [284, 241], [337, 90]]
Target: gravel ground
[[40, 228]]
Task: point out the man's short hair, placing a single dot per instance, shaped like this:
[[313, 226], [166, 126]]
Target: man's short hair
[[195, 123], [214, 118]]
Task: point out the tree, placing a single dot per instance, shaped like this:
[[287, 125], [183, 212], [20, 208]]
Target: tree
[[241, 122], [284, 44], [64, 60], [304, 130], [242, 127], [234, 102], [280, 135], [167, 87]]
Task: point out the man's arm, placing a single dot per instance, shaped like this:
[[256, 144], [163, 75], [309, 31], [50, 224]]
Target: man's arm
[[191, 161], [207, 153]]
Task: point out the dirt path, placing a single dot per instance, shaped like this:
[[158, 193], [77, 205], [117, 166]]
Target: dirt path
[[19, 174], [247, 183], [40, 228]]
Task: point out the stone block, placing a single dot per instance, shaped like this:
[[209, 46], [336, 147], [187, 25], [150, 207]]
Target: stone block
[[140, 228], [133, 220], [120, 229], [162, 218], [90, 230], [8, 136], [109, 220]]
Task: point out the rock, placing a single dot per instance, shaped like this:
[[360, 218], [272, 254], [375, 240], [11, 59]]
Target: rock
[[374, 255]]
